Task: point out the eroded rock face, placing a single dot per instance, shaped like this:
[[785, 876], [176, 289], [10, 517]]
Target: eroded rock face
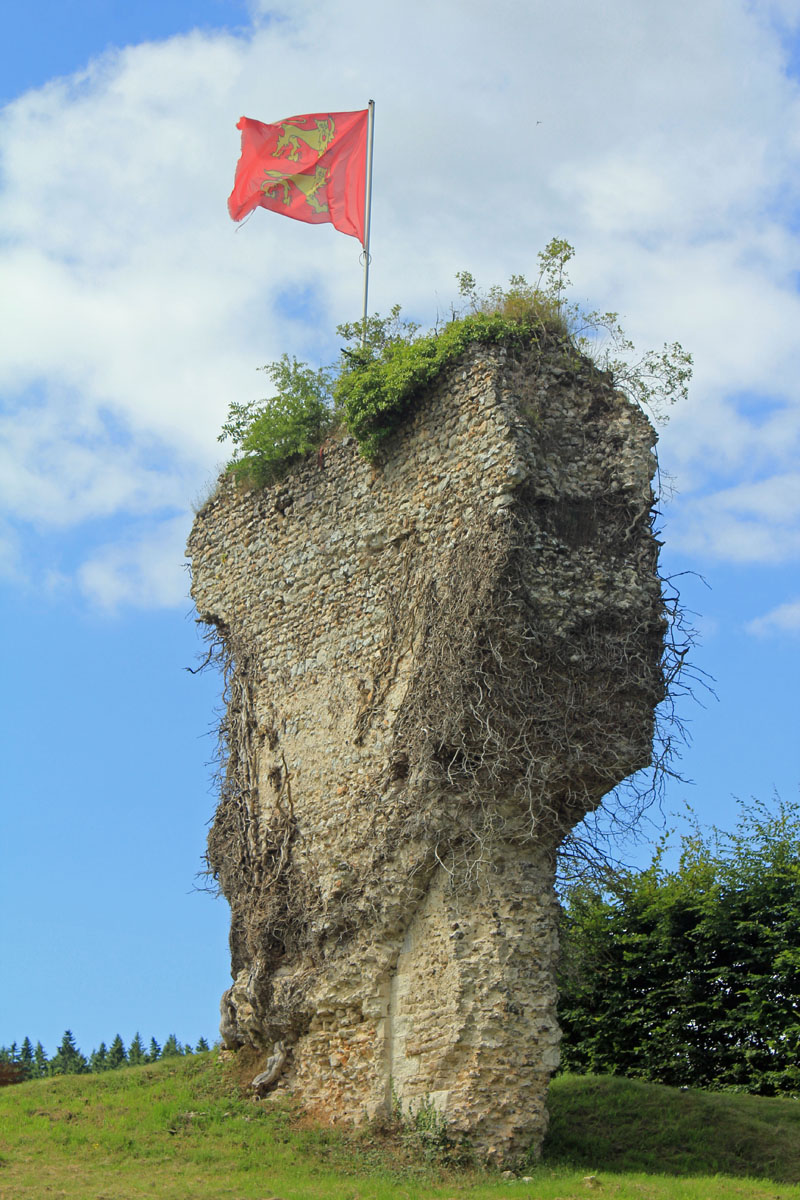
[[435, 667]]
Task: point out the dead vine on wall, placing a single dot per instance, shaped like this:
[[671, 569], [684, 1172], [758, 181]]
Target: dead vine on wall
[[517, 670]]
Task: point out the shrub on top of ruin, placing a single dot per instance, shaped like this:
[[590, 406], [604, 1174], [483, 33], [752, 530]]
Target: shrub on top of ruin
[[375, 392], [271, 435], [541, 307], [381, 379], [389, 364]]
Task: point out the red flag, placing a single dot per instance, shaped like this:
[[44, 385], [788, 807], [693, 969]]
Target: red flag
[[311, 168]]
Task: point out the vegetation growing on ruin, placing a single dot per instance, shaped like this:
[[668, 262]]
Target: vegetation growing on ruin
[[388, 363], [484, 712], [271, 435], [487, 684]]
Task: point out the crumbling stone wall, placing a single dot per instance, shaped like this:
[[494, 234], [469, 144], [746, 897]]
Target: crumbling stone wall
[[434, 666]]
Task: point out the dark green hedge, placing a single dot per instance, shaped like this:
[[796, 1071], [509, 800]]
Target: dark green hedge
[[691, 976]]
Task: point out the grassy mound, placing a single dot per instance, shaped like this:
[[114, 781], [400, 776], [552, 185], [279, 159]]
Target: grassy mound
[[185, 1128], [628, 1125]]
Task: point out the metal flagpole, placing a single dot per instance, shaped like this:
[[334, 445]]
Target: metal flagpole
[[367, 216]]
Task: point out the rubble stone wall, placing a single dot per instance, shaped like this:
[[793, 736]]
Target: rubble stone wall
[[435, 666]]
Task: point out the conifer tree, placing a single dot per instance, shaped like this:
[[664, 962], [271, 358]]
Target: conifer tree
[[153, 1051], [172, 1047], [136, 1051], [202, 1046], [68, 1060], [40, 1061], [26, 1058], [116, 1054], [98, 1059]]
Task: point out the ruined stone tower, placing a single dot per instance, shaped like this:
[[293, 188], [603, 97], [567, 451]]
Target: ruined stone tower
[[435, 666]]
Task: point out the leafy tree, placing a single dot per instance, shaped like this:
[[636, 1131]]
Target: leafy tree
[[11, 1072], [136, 1051], [116, 1054], [68, 1059], [691, 975]]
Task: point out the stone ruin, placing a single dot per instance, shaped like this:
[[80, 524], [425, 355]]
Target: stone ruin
[[434, 667]]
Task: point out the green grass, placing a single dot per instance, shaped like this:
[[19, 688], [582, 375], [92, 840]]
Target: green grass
[[629, 1125], [181, 1130]]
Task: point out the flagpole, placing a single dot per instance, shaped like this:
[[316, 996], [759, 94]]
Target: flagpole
[[367, 216]]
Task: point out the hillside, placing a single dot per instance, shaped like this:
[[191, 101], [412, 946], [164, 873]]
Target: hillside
[[630, 1125], [183, 1128]]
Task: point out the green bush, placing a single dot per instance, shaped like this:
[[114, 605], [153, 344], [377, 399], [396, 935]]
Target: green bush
[[275, 433], [390, 364], [375, 392], [691, 976]]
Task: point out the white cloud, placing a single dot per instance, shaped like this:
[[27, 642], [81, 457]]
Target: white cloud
[[62, 463], [783, 619], [10, 566], [661, 140], [143, 572], [752, 522], [786, 11]]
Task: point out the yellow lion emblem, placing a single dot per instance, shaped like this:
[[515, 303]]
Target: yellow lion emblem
[[281, 187], [292, 135]]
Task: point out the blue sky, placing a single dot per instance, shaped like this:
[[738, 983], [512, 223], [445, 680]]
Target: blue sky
[[667, 152]]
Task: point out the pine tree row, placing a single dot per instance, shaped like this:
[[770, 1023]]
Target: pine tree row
[[27, 1061]]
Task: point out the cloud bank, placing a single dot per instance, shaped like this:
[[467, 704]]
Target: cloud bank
[[662, 141]]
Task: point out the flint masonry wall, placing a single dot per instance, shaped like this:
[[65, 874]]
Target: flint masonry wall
[[434, 667]]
